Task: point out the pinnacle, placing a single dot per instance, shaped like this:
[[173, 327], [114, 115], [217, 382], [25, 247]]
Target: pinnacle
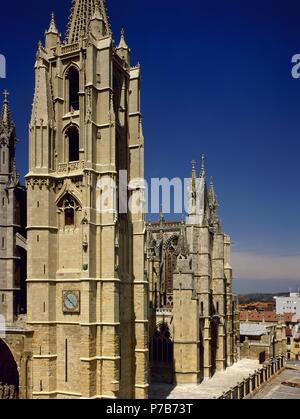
[[202, 174], [122, 43], [5, 119], [52, 27]]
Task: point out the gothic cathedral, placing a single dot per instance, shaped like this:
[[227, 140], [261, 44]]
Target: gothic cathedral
[[97, 303]]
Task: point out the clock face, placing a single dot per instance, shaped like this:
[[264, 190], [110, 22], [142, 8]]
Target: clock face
[[71, 301]]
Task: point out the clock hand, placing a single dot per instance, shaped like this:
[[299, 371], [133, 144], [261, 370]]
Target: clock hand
[[71, 302]]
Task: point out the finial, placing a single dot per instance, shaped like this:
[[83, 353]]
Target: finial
[[203, 166], [211, 181], [5, 95]]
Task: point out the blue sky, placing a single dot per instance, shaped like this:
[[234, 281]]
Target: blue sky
[[216, 80]]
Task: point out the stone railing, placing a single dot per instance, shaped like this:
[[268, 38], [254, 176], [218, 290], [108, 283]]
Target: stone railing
[[164, 311], [249, 386], [70, 167], [70, 48]]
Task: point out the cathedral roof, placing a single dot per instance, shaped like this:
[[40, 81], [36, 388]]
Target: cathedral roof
[[82, 11]]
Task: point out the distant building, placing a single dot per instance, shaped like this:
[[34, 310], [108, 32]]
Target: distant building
[[289, 304], [295, 339], [258, 306], [262, 340]]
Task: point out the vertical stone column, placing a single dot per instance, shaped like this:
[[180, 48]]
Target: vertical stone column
[[204, 296], [140, 281], [186, 329], [229, 303], [218, 281]]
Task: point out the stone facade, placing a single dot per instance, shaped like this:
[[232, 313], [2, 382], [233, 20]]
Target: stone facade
[[87, 297], [194, 321], [86, 285]]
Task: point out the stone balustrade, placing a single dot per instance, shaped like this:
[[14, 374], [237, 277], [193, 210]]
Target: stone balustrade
[[251, 384], [70, 167]]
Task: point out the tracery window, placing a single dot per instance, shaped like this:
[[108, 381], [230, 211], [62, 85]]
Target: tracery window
[[171, 262], [69, 207]]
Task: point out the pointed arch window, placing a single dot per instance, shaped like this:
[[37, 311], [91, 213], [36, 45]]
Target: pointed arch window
[[69, 207], [72, 89], [170, 266], [72, 138]]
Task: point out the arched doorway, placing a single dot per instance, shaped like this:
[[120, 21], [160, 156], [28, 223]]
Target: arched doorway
[[9, 375]]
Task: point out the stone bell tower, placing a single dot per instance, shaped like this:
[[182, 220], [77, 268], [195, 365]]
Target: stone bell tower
[[87, 292]]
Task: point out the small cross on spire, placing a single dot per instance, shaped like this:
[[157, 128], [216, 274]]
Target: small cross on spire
[[6, 94]]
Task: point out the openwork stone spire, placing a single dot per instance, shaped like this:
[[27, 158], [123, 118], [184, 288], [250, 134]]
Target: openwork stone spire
[[5, 119], [82, 12]]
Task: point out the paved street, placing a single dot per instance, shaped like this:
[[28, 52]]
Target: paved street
[[276, 390]]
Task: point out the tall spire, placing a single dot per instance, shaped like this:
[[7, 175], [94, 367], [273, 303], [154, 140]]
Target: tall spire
[[193, 175], [6, 121], [213, 203], [211, 193], [82, 11]]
